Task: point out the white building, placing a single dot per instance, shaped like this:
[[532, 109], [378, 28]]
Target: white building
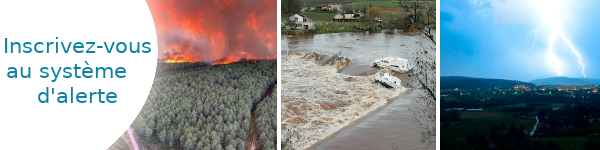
[[301, 22], [334, 7]]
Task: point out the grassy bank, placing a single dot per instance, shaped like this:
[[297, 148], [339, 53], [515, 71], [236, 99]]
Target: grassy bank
[[336, 27]]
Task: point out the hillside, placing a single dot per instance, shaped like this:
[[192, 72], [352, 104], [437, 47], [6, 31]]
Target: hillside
[[452, 82], [566, 81]]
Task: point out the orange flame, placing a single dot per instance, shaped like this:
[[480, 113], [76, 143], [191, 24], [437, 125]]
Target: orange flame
[[180, 60], [174, 61], [221, 62], [239, 31]]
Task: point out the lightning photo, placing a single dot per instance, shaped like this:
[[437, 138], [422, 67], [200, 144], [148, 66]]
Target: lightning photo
[[552, 20]]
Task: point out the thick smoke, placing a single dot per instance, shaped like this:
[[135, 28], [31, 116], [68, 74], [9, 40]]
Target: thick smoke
[[215, 30]]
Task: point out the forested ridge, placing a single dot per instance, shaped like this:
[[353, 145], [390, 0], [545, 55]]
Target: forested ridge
[[452, 82], [209, 107]]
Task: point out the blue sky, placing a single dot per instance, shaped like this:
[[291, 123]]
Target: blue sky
[[494, 39]]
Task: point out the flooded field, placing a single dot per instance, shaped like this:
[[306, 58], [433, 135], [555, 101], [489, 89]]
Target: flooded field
[[385, 126]]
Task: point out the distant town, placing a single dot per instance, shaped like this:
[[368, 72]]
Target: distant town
[[509, 114], [576, 91]]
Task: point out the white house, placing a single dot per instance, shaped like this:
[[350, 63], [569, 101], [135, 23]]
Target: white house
[[338, 17], [347, 16], [335, 7], [301, 22]]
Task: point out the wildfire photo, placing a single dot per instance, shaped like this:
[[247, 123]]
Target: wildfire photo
[[216, 32], [216, 77]]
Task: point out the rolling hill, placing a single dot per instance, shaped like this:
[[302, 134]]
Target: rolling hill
[[566, 81], [452, 82]]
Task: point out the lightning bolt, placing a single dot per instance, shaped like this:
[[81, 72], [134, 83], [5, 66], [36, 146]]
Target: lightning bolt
[[552, 59], [549, 10]]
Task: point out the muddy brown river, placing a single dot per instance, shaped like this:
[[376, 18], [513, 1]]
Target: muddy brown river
[[388, 126], [385, 128], [361, 47]]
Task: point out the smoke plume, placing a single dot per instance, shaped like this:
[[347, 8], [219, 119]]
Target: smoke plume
[[215, 30]]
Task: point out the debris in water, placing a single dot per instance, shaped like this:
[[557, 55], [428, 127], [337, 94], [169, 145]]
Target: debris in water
[[387, 80], [317, 101], [394, 63]]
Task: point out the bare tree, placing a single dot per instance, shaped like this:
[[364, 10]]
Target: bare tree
[[373, 13], [391, 24], [421, 13], [423, 78]]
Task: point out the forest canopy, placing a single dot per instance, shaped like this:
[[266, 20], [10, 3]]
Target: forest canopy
[[198, 106]]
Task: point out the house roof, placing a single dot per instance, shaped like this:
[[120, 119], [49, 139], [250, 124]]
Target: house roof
[[296, 15], [320, 5], [338, 16], [304, 16]]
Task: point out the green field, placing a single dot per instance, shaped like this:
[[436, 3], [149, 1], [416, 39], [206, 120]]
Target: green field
[[387, 4], [510, 116], [499, 108], [320, 16], [463, 128], [485, 120], [340, 1], [390, 4], [556, 105]]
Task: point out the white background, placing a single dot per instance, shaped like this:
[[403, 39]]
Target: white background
[[26, 123]]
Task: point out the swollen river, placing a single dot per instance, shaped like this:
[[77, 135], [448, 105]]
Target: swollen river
[[361, 47], [388, 126]]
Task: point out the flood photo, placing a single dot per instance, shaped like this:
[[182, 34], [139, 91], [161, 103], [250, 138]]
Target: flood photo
[[519, 75], [358, 75]]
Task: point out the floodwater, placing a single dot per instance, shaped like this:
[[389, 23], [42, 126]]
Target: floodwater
[[388, 126], [361, 47], [317, 101]]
